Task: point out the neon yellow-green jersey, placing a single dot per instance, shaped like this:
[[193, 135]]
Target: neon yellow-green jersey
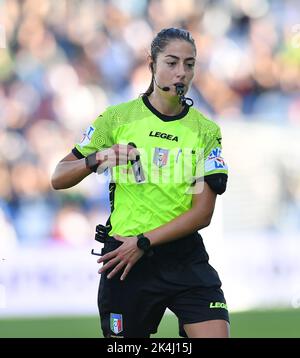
[[175, 151]]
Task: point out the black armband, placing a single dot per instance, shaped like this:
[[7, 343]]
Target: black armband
[[217, 182], [77, 154], [91, 162]]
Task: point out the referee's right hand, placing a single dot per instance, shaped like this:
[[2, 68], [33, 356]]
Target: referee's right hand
[[118, 154]]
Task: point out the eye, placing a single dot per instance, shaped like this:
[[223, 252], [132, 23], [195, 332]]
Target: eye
[[171, 64], [190, 65]]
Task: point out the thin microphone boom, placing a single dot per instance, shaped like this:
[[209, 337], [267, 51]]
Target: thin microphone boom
[[166, 89]]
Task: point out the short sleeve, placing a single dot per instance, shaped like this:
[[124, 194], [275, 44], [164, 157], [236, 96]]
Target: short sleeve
[[211, 166], [214, 163], [96, 137]]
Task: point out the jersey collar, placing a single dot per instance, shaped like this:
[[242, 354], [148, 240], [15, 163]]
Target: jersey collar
[[162, 116]]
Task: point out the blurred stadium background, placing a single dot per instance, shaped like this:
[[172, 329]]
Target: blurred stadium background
[[61, 63]]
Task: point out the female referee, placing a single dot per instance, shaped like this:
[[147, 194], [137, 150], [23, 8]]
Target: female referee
[[163, 190]]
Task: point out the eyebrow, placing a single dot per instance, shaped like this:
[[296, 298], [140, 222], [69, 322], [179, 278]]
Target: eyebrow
[[177, 58]]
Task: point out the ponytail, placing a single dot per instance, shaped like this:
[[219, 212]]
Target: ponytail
[[150, 88]]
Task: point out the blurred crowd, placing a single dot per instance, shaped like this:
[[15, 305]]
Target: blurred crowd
[[62, 62]]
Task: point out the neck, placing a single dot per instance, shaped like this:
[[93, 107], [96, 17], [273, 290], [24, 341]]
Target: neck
[[164, 103]]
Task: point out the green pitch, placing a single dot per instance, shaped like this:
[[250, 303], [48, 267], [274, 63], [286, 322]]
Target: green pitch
[[265, 324]]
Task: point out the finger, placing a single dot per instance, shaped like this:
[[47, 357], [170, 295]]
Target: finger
[[127, 152], [109, 264], [123, 153], [122, 159], [105, 154], [116, 269], [133, 153], [117, 155], [108, 256], [120, 150], [126, 270]]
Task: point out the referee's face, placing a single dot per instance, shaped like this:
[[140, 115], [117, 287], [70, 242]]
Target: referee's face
[[175, 65]]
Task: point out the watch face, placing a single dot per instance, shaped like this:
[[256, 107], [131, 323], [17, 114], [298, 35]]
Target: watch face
[[143, 243]]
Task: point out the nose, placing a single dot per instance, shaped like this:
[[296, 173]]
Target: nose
[[181, 71]]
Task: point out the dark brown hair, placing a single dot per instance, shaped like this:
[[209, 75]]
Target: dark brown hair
[[160, 42]]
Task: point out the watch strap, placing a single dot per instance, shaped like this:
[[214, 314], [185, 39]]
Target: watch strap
[[148, 251], [91, 162]]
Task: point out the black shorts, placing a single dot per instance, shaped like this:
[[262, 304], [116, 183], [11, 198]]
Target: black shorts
[[178, 276]]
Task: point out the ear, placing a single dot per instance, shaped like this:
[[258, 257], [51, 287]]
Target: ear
[[151, 64]]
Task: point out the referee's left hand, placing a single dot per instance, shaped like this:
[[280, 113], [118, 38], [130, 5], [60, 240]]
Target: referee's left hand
[[124, 256]]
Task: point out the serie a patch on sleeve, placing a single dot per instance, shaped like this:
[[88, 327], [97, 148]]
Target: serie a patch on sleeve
[[215, 161], [87, 136]]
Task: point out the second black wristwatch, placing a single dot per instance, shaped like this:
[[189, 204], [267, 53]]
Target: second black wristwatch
[[144, 244]]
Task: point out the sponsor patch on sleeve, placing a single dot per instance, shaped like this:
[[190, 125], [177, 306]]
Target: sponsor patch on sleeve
[[87, 136], [215, 161]]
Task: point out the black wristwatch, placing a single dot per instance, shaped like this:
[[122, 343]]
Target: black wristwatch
[[144, 244], [91, 162]]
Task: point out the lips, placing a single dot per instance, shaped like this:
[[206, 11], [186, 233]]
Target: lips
[[179, 84]]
